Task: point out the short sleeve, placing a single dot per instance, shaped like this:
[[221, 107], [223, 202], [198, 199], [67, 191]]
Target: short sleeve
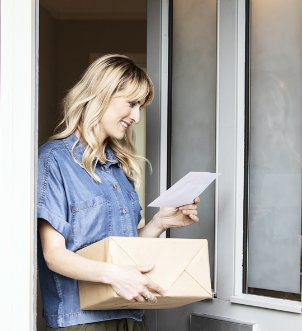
[[51, 200]]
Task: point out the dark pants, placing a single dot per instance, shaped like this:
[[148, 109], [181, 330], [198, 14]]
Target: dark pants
[[125, 324]]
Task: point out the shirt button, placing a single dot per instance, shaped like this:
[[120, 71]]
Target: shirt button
[[123, 210], [115, 186]]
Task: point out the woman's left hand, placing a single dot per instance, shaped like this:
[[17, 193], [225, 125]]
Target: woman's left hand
[[177, 217]]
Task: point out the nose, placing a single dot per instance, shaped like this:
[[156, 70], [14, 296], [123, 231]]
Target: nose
[[135, 114]]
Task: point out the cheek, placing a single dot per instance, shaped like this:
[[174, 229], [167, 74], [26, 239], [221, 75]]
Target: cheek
[[107, 120], [113, 117]]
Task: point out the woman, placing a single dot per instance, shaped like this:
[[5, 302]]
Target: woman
[[86, 192]]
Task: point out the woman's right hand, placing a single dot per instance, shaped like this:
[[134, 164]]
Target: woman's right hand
[[130, 283]]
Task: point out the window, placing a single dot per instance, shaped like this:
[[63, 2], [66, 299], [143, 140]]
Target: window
[[273, 156]]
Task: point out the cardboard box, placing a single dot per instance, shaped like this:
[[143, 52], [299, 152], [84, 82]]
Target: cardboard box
[[181, 269]]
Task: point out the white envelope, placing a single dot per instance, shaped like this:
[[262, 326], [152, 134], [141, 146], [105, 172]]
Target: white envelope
[[185, 190]]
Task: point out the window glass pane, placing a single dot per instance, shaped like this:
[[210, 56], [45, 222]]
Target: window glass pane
[[275, 148], [194, 106]]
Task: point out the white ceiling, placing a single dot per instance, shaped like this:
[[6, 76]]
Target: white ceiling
[[96, 9]]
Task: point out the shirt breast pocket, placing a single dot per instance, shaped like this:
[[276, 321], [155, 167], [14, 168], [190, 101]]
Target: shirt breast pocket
[[135, 205], [91, 221]]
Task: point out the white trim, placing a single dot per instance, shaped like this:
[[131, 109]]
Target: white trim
[[226, 146], [164, 98], [164, 95], [240, 127], [17, 165], [217, 149], [267, 302]]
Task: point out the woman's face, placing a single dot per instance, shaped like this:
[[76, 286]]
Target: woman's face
[[118, 117]]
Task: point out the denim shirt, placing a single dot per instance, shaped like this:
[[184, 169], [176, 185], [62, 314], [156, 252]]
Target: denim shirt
[[84, 212]]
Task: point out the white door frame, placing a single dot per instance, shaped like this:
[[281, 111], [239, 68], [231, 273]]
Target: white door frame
[[17, 165]]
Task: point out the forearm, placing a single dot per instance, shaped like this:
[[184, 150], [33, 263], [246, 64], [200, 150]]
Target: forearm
[[152, 229], [72, 265]]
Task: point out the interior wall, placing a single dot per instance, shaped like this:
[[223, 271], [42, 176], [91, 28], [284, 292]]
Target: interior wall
[[48, 77], [78, 39]]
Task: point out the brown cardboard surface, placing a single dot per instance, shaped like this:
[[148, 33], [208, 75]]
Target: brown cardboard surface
[[181, 268]]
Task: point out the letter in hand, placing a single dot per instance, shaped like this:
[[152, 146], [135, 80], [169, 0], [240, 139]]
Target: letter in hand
[[178, 217]]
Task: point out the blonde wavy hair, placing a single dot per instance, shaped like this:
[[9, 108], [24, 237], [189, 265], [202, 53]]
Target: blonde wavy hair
[[109, 76]]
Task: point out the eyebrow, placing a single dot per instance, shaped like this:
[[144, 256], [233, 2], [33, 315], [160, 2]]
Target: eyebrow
[[136, 102]]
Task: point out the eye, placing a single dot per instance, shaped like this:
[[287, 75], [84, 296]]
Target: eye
[[131, 104]]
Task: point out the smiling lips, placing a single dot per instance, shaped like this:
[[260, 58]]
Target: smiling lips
[[125, 124]]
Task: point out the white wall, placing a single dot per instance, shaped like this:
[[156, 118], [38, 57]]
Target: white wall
[[17, 164]]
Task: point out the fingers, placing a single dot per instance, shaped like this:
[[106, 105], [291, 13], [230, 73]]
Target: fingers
[[155, 288], [150, 297], [134, 285], [191, 210], [196, 200], [145, 294], [194, 218], [146, 268], [189, 207], [149, 283], [141, 298], [192, 205]]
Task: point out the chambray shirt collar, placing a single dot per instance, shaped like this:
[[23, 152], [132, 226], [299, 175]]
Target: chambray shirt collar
[[79, 149]]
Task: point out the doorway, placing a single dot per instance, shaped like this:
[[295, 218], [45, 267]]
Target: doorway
[[71, 36]]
